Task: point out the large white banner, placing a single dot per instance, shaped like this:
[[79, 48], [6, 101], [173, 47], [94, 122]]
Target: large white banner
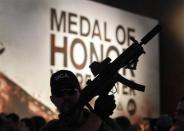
[[41, 37]]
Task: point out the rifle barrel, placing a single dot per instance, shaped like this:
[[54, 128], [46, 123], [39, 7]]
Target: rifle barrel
[[150, 34]]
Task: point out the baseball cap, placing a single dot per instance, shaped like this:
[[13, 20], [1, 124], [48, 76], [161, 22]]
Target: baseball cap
[[62, 80]]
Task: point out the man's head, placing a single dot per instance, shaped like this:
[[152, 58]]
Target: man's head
[[65, 90], [63, 80]]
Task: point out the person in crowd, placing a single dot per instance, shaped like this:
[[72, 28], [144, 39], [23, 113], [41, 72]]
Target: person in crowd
[[179, 114], [13, 116], [123, 123], [10, 122], [65, 93], [164, 123], [29, 124], [179, 117], [39, 122], [147, 123], [135, 127], [176, 127]]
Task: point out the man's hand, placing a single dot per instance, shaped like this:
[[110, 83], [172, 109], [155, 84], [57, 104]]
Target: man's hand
[[104, 106]]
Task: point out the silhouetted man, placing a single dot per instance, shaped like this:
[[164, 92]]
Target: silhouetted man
[[65, 93]]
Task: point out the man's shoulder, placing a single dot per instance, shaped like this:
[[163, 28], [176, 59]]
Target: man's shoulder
[[57, 124], [108, 125], [86, 112]]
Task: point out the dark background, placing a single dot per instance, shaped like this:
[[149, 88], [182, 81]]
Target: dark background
[[171, 50]]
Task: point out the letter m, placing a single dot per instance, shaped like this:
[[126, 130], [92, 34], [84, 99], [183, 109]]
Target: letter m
[[56, 22]]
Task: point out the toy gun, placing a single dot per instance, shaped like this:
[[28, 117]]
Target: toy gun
[[106, 72]]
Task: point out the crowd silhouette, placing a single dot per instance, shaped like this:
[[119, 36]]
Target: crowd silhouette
[[65, 92], [12, 122]]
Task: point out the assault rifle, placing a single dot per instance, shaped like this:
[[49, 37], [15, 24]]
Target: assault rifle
[[106, 72]]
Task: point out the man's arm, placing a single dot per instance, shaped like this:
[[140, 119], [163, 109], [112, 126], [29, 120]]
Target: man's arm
[[104, 106], [92, 123]]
